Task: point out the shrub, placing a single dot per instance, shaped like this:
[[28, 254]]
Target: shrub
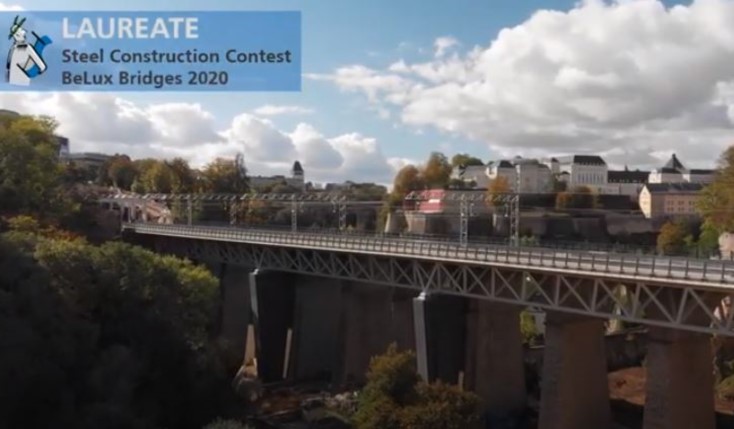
[[396, 398]]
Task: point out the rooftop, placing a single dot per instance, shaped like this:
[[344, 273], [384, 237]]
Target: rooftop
[[582, 159], [673, 188], [626, 176], [674, 164]]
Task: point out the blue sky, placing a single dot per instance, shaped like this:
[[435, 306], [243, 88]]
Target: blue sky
[[374, 34]]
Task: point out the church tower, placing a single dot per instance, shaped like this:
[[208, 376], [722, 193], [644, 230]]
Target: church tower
[[297, 173]]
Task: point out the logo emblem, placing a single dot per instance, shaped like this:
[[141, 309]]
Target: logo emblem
[[25, 60]]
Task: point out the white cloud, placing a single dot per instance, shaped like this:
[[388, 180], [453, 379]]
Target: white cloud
[[10, 7], [273, 110], [260, 139], [442, 45], [361, 78], [315, 150], [601, 75], [99, 122]]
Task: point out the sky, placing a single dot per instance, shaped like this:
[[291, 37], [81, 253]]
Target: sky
[[385, 83]]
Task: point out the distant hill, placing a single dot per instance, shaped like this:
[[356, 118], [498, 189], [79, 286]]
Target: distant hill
[[5, 112]]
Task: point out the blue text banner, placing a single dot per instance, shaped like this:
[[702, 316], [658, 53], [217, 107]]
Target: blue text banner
[[152, 51]]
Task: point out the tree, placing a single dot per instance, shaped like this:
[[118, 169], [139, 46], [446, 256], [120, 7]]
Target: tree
[[122, 172], [30, 174], [716, 204], [580, 197], [117, 336], [396, 398], [159, 178], [559, 186], [672, 238], [708, 239], [465, 159], [185, 178], [408, 179], [437, 171], [226, 176], [496, 189]]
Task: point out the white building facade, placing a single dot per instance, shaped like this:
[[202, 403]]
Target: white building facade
[[526, 176], [478, 175], [297, 178], [675, 172], [583, 170]]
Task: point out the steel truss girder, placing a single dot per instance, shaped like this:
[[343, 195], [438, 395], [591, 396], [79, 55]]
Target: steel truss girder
[[687, 308]]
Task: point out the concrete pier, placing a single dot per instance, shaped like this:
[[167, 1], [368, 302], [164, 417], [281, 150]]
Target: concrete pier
[[494, 359], [315, 346], [235, 307], [368, 327], [574, 388], [272, 300], [440, 329], [680, 381]]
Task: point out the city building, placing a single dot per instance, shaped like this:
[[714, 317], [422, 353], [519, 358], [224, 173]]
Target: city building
[[581, 170], [478, 175], [87, 159], [296, 179], [443, 201], [659, 200], [64, 150], [626, 182], [675, 172], [530, 175]]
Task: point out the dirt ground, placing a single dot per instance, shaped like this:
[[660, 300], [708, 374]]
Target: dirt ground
[[629, 385]]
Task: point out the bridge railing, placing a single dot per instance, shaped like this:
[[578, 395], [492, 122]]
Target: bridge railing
[[705, 271], [631, 249]]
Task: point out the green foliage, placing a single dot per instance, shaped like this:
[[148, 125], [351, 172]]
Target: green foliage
[[437, 171], [559, 186], [225, 176], [716, 204], [109, 336], [465, 159], [580, 197], [30, 175], [226, 424], [708, 240], [528, 328], [408, 179], [396, 398], [497, 187], [725, 389], [441, 406], [24, 223], [122, 172], [528, 240], [674, 238]]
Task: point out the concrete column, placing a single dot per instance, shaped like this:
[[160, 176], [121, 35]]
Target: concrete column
[[680, 381], [402, 318], [315, 347], [271, 297], [574, 388], [439, 322], [235, 307], [367, 328], [494, 359]]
